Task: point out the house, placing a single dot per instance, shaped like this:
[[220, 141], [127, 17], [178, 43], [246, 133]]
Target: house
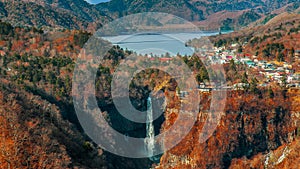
[[248, 55], [250, 63], [262, 64], [290, 79], [246, 59], [205, 90], [234, 45], [229, 57], [201, 85], [270, 66]]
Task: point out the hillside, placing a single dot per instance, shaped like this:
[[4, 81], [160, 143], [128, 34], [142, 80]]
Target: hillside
[[35, 135], [202, 8], [36, 69], [61, 14], [78, 14], [264, 41], [207, 14]]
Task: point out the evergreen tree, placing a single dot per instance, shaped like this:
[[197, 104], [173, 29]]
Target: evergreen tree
[[284, 81], [280, 57], [270, 93], [253, 86], [245, 78]]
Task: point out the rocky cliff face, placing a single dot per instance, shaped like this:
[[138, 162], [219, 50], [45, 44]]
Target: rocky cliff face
[[285, 157], [249, 126]]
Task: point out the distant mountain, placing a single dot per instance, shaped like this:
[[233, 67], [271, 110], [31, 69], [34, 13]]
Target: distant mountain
[[69, 14], [78, 14], [212, 14], [185, 8]]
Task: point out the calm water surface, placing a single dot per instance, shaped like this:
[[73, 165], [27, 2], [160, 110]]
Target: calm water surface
[[158, 44]]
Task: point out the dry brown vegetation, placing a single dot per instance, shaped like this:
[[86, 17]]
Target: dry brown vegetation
[[249, 129]]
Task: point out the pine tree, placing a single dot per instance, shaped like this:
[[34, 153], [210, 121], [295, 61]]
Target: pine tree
[[270, 93], [253, 86]]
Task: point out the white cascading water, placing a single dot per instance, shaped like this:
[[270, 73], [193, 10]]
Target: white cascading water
[[150, 133]]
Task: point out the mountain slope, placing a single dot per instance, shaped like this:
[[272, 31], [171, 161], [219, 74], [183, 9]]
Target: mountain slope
[[281, 30], [180, 8], [76, 14], [244, 11], [79, 8]]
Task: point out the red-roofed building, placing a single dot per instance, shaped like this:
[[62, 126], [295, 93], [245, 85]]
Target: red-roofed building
[[229, 57], [248, 55]]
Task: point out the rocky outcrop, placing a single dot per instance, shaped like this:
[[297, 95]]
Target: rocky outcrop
[[285, 157], [249, 126]]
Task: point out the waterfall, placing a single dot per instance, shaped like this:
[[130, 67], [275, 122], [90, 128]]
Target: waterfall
[[150, 132]]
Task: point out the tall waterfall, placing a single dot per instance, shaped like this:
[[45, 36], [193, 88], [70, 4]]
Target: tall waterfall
[[150, 132]]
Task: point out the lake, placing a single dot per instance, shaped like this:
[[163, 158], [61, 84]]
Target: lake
[[158, 43]]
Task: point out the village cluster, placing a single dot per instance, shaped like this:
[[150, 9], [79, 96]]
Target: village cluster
[[272, 71]]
